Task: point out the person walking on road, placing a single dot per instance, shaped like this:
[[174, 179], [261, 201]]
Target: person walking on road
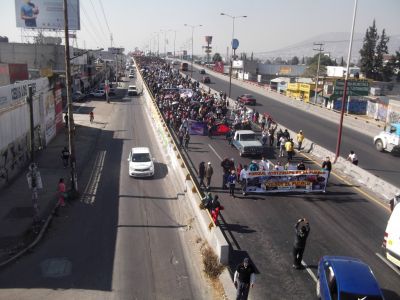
[[209, 173], [91, 117], [65, 156], [289, 149], [353, 158], [202, 173], [244, 279], [282, 142], [302, 230], [301, 166], [187, 139], [61, 192], [327, 166], [300, 139], [243, 178], [232, 182]]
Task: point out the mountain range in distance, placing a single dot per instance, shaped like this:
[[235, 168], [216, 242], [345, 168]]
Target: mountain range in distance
[[336, 44]]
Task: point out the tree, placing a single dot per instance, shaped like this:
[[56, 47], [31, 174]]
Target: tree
[[367, 52], [252, 56], [381, 49], [295, 60], [396, 65], [303, 62], [388, 69], [217, 57], [342, 62], [312, 63]]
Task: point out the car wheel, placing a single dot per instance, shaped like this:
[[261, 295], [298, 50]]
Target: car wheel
[[317, 289], [379, 145]]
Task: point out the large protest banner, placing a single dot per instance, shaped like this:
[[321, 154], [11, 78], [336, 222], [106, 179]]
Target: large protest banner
[[286, 181]]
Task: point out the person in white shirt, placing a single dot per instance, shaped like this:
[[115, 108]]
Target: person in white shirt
[[353, 158], [265, 164], [243, 178]]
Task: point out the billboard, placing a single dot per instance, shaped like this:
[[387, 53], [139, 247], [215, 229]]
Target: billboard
[[46, 14]]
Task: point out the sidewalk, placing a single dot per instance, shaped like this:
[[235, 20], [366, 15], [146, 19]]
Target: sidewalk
[[16, 212]]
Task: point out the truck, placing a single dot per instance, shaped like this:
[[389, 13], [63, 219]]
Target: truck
[[391, 241], [247, 143], [389, 139]]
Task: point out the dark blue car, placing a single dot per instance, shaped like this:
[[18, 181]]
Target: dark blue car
[[346, 278]]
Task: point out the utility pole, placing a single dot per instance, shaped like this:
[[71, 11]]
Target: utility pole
[[319, 59], [174, 41], [29, 99], [339, 139], [193, 27], [71, 125]]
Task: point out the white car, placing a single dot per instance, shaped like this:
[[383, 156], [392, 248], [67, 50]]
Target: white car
[[141, 163], [132, 90], [98, 93]]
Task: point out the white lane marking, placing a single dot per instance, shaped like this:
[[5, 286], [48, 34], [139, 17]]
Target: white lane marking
[[388, 263], [216, 153], [309, 271], [89, 195]]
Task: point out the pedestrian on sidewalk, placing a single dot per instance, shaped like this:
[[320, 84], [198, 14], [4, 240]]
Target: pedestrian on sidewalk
[[65, 156], [66, 118], [353, 158], [61, 192], [202, 173], [209, 173], [302, 229], [300, 139], [232, 182], [243, 279], [91, 117]]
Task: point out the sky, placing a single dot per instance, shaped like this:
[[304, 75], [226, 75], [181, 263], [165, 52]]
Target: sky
[[269, 24]]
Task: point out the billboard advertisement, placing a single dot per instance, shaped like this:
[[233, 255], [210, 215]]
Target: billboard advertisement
[[46, 14]]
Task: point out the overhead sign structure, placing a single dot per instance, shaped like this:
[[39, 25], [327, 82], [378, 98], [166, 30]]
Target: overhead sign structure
[[235, 44], [286, 181], [45, 14]]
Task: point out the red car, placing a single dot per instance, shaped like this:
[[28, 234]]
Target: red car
[[247, 99]]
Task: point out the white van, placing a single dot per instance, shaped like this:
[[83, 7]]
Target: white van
[[391, 241]]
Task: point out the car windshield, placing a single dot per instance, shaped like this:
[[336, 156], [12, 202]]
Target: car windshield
[[141, 157], [247, 137], [351, 296]]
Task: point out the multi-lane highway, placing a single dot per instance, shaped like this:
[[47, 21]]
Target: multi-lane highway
[[319, 130], [127, 238]]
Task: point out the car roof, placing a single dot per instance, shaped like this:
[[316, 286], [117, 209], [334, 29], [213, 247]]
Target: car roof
[[245, 131], [353, 276], [138, 150]]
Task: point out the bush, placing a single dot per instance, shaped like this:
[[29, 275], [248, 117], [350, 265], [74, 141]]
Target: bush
[[212, 266]]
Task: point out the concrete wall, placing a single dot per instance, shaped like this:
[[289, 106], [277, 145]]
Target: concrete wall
[[35, 55]]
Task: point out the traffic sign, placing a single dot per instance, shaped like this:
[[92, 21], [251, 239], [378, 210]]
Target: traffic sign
[[235, 44]]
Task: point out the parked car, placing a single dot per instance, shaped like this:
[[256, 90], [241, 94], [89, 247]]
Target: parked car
[[140, 162], [202, 71], [206, 79], [98, 93], [132, 90], [247, 99], [341, 277], [78, 96]]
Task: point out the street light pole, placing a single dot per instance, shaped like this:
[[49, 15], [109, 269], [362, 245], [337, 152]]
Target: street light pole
[[71, 125], [174, 41], [339, 139], [193, 27], [232, 51]]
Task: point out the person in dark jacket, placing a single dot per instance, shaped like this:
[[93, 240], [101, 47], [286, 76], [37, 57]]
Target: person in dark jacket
[[202, 173], [243, 279], [302, 229]]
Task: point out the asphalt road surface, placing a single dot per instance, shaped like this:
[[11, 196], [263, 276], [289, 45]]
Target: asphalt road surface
[[322, 132], [126, 239], [343, 222]]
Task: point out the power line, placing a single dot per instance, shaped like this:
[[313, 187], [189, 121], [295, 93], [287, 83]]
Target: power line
[[90, 21], [105, 18], [97, 17]]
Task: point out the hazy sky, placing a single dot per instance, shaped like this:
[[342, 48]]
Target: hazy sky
[[270, 24]]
